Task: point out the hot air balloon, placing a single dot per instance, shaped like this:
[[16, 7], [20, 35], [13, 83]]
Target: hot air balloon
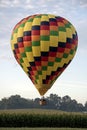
[[44, 45]]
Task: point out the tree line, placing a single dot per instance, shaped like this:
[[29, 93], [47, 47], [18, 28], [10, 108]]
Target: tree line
[[53, 102]]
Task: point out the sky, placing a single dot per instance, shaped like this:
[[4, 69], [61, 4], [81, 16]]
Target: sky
[[13, 80]]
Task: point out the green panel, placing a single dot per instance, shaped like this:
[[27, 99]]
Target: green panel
[[36, 77], [23, 54], [40, 72], [58, 59], [44, 38], [50, 63], [62, 29], [28, 49], [65, 55], [54, 33], [21, 61], [30, 20], [71, 52], [16, 30], [35, 43], [22, 25], [68, 25], [36, 81], [44, 67], [38, 16]]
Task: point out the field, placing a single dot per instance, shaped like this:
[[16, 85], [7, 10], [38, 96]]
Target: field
[[31, 119], [39, 111], [43, 129]]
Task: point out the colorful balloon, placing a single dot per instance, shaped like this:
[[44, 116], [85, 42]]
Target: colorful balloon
[[44, 45]]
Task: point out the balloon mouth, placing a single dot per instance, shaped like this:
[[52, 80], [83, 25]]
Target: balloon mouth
[[42, 88]]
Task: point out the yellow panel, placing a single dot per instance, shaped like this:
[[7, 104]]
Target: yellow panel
[[12, 46], [51, 16], [15, 38], [49, 70], [36, 51], [20, 32], [24, 67], [30, 56], [26, 62], [40, 79], [45, 45], [54, 41], [36, 21], [43, 88], [27, 26], [73, 29], [44, 18], [62, 36], [44, 74], [55, 66], [68, 32]]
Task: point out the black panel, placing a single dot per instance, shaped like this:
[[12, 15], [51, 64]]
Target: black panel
[[20, 39], [29, 68], [15, 46], [32, 63], [52, 20], [69, 40], [53, 49], [37, 58], [62, 44], [44, 53], [44, 23], [27, 33], [36, 27]]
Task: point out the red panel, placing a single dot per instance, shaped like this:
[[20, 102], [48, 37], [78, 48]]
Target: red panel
[[17, 51], [35, 32], [33, 68], [52, 54], [38, 63], [44, 27], [53, 23], [68, 45], [60, 49], [51, 77], [27, 38], [20, 44], [44, 58]]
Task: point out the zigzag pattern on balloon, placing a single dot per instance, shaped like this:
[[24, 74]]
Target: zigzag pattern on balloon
[[44, 45]]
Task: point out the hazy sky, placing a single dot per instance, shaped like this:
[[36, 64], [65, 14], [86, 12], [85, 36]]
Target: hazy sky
[[13, 80]]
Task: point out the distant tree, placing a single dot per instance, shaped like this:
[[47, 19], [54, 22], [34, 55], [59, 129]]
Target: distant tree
[[86, 106], [4, 103], [53, 102], [70, 105]]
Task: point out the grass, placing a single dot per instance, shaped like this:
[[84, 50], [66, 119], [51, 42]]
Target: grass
[[43, 128]]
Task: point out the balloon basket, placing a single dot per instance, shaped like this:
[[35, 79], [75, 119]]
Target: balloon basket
[[42, 102]]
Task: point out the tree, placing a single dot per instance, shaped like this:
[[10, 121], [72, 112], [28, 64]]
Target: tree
[[53, 102], [86, 106]]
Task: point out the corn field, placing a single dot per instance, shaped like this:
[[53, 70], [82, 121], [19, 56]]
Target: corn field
[[42, 118]]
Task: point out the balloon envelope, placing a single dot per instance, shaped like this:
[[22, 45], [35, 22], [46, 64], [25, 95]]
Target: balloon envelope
[[44, 45]]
